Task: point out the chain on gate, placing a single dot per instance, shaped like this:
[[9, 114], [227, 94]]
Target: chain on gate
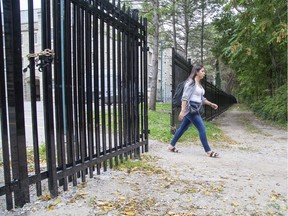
[[44, 58]]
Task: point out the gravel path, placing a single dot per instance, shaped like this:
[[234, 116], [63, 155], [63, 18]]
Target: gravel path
[[250, 178]]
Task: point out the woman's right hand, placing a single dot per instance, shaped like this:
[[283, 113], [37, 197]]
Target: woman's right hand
[[181, 115]]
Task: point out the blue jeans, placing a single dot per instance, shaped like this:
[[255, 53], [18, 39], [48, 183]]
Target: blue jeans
[[198, 123]]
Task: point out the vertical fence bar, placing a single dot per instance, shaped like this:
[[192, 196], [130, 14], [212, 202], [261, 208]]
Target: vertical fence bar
[[124, 91], [141, 83], [33, 98], [115, 87], [48, 102], [109, 102], [135, 84], [81, 89], [129, 80], [4, 125], [141, 76], [12, 30], [69, 89], [173, 87], [145, 85], [120, 89], [75, 31], [103, 87], [89, 89], [58, 85], [96, 87]]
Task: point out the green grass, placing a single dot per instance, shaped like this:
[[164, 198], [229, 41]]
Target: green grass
[[159, 126], [144, 165]]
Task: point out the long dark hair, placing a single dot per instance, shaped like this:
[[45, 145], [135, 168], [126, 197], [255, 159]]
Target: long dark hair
[[196, 68]]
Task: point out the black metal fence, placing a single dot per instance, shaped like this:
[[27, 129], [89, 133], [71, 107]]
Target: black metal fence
[[181, 69], [91, 70]]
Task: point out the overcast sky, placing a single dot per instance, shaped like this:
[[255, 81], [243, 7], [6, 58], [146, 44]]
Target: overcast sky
[[24, 4]]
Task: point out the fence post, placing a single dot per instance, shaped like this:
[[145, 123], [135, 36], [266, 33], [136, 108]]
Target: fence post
[[48, 102], [4, 124], [145, 59], [12, 31]]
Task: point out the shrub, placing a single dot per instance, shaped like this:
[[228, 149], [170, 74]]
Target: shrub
[[273, 108]]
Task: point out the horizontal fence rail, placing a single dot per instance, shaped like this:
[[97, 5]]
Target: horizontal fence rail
[[76, 104], [181, 69]]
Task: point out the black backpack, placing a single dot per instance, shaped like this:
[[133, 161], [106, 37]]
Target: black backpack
[[177, 98]]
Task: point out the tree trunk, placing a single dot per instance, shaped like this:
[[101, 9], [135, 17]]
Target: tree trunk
[[187, 27], [275, 66], [174, 24], [218, 77], [153, 83], [202, 29]]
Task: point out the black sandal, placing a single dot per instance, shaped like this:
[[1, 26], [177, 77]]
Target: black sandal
[[213, 154], [173, 149]]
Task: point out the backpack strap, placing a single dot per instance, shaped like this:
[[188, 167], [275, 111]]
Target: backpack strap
[[193, 84]]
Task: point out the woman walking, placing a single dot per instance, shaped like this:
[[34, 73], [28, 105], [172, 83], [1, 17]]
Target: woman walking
[[193, 95]]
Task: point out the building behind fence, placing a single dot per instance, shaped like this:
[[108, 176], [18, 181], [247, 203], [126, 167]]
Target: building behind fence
[[91, 76]]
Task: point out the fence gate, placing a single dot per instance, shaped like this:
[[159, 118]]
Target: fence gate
[[181, 69], [73, 90]]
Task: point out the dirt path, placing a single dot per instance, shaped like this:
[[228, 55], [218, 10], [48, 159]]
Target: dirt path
[[250, 178]]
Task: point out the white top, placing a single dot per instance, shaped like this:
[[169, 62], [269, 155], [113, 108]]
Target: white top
[[196, 96]]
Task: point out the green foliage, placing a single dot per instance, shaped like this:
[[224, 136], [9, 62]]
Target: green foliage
[[144, 165], [273, 108], [159, 123], [253, 42], [42, 152], [159, 126]]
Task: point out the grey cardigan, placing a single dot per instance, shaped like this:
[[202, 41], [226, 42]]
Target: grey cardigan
[[189, 88]]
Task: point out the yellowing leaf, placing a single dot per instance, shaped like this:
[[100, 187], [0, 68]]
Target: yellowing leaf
[[275, 197], [50, 208], [134, 169], [57, 202], [129, 213], [248, 51], [278, 39], [235, 204], [121, 198], [46, 197], [106, 208]]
